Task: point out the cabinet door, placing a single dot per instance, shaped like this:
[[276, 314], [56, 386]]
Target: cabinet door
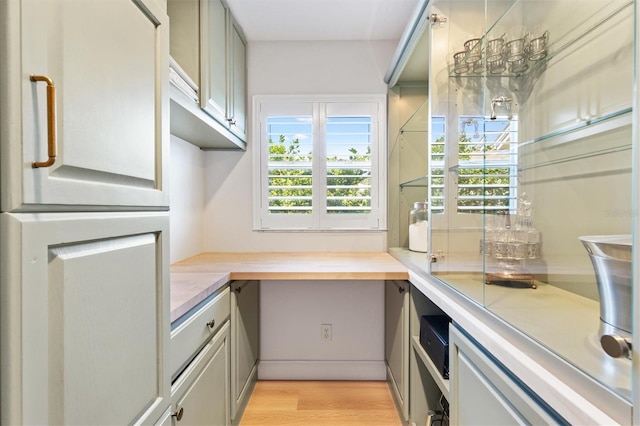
[[85, 327], [483, 393], [108, 62], [238, 84], [245, 338], [201, 393], [396, 341], [213, 42]]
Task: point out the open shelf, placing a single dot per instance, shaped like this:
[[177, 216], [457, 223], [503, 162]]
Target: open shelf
[[442, 383]]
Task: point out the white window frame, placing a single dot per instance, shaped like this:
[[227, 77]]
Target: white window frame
[[319, 220]]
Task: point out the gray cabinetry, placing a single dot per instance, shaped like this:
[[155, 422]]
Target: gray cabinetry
[[237, 107], [208, 97], [213, 44], [200, 395], [245, 340], [483, 393], [95, 117], [201, 363], [396, 342]]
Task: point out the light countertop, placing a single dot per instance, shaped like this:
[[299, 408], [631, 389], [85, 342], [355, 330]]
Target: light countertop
[[563, 322], [193, 279]]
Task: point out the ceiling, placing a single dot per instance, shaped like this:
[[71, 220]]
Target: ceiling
[[280, 20]]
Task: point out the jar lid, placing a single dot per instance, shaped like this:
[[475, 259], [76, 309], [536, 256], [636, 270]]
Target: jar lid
[[420, 205]]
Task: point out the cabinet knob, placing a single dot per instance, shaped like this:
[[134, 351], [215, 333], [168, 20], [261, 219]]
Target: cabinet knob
[[238, 290], [400, 289], [178, 414], [211, 323]]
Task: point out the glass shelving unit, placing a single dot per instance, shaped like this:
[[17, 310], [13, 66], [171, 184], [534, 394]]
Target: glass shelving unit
[[572, 134]]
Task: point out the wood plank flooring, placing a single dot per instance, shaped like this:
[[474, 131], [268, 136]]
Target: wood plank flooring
[[314, 403]]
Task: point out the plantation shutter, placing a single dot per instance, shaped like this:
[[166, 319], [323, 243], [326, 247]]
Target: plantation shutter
[[321, 163], [290, 164]]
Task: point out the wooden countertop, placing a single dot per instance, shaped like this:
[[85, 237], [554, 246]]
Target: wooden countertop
[[193, 279]]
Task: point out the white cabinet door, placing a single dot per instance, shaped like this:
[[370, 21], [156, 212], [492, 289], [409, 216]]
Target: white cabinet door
[[108, 62], [201, 393], [238, 82], [85, 318], [213, 42]]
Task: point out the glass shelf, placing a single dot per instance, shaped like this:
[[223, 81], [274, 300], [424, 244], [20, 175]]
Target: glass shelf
[[586, 128], [421, 182]]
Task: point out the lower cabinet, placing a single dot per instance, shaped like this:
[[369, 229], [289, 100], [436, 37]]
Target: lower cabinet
[[484, 393], [244, 348], [85, 318], [200, 395], [396, 342]]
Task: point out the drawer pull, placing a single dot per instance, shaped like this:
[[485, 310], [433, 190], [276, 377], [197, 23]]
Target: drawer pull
[[211, 323], [178, 414]]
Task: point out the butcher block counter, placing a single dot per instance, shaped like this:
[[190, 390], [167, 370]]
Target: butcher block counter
[[193, 279]]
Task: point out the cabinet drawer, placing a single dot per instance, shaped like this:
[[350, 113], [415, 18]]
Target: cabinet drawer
[[201, 393], [193, 332]]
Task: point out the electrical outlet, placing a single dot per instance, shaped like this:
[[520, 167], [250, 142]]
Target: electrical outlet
[[325, 332]]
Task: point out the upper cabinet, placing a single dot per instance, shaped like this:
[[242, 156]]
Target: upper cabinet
[[208, 94], [67, 64]]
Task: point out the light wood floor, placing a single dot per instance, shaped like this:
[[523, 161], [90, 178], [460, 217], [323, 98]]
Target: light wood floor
[[313, 403]]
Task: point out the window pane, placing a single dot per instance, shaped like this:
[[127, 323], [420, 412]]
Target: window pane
[[348, 177], [290, 164]]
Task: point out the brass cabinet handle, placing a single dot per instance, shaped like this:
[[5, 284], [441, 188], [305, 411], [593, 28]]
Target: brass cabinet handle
[[51, 121], [178, 414], [211, 323]]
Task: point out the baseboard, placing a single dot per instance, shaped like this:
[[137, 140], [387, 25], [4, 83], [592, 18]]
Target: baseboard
[[322, 370]]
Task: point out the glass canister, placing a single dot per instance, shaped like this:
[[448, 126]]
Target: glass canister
[[418, 227]]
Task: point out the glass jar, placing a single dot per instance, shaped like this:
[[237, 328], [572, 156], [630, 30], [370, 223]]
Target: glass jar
[[418, 227]]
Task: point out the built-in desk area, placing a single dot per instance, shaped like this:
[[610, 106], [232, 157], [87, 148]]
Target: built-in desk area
[[216, 318]]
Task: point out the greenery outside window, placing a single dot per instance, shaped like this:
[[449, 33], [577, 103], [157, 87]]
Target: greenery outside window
[[321, 163]]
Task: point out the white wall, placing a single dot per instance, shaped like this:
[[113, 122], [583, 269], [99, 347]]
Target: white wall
[[187, 200], [290, 344]]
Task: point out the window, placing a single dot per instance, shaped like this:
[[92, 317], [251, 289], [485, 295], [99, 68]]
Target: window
[[482, 169], [321, 162]]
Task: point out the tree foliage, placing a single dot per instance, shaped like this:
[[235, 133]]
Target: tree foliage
[[348, 180]]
